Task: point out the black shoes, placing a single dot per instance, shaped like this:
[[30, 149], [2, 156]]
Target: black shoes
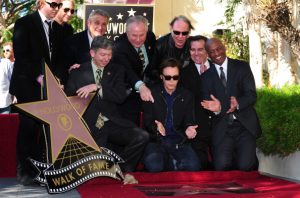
[[26, 180]]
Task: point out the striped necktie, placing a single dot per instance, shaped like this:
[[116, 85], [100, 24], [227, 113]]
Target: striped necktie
[[98, 76], [142, 57]]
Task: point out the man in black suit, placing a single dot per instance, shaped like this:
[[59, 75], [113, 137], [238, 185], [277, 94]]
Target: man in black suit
[[229, 92], [134, 50], [33, 46], [191, 79], [77, 47], [102, 116]]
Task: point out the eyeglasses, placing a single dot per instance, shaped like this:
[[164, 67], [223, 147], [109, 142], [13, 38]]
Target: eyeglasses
[[167, 77], [182, 33], [66, 10], [6, 50], [54, 4]]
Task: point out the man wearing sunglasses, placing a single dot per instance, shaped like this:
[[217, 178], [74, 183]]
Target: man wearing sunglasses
[[170, 121], [173, 44], [8, 51], [65, 31], [32, 43], [64, 15]]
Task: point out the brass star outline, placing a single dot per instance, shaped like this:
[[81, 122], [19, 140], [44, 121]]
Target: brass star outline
[[63, 114]]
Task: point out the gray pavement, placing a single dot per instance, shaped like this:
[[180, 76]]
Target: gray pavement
[[10, 188]]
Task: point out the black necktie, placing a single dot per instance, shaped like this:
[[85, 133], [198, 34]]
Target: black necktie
[[222, 77], [50, 34], [142, 57]]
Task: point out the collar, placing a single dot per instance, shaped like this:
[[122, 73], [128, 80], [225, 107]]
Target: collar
[[43, 17], [224, 64], [94, 66], [89, 37]]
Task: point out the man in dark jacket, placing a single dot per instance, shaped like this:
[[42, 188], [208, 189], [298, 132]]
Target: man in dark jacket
[[134, 50], [173, 44], [170, 121], [77, 47], [191, 79], [102, 116], [229, 92], [34, 44]]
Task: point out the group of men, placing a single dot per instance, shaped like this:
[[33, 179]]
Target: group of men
[[160, 102]]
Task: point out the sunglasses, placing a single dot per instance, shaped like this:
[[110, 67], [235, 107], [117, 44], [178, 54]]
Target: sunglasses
[[6, 50], [167, 77], [66, 10], [183, 33], [54, 4]]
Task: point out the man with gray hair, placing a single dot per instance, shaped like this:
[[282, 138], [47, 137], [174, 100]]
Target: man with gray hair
[[108, 128], [77, 47], [134, 50]]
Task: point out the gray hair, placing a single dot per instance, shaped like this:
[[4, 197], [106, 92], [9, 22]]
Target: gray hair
[[101, 42], [98, 12], [137, 19]]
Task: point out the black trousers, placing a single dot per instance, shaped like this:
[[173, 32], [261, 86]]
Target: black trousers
[[128, 142], [30, 144], [237, 150]]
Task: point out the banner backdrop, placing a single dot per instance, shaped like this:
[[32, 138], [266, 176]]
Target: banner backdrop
[[118, 16]]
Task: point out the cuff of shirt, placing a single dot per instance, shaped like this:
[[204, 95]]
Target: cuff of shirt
[[138, 85]]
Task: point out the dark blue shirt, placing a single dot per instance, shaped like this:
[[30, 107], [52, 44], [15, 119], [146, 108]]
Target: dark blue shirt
[[169, 119]]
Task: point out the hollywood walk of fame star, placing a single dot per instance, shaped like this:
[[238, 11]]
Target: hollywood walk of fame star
[[131, 12], [64, 119]]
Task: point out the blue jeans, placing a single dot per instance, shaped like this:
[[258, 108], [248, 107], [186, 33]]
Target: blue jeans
[[167, 156]]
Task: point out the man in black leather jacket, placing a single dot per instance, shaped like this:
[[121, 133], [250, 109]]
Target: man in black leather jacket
[[173, 44]]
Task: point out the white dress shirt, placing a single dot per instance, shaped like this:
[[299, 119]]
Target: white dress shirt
[[6, 68]]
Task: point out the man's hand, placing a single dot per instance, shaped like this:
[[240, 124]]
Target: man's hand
[[83, 92], [145, 94], [75, 66], [14, 99], [191, 132], [213, 105], [40, 80], [160, 127], [233, 104]]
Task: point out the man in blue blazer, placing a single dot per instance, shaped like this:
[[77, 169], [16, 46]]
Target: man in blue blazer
[[229, 92]]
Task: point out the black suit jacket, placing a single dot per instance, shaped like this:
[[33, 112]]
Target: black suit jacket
[[77, 49], [241, 84], [113, 89], [126, 55], [191, 80], [31, 51]]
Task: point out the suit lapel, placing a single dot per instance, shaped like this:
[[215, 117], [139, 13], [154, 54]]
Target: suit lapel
[[41, 32], [230, 75]]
